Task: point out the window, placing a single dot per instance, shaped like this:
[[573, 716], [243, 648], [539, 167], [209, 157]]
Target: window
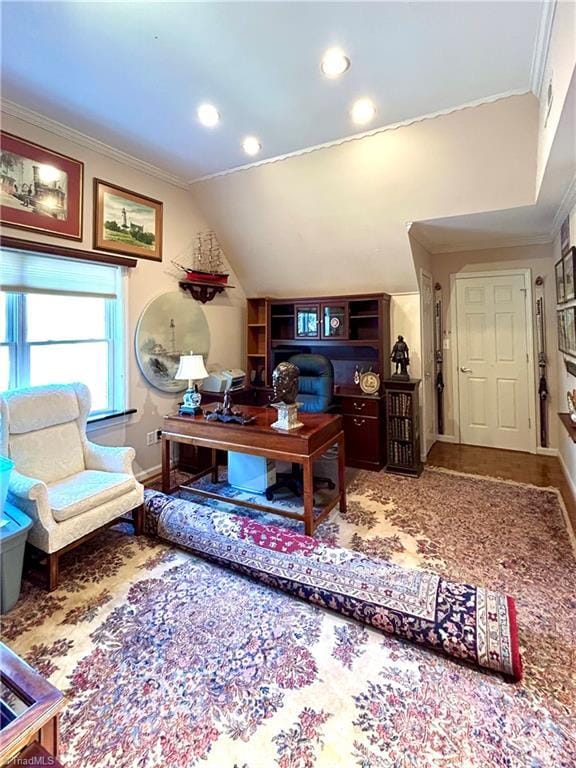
[[62, 321]]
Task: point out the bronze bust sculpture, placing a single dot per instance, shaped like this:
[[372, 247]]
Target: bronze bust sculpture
[[401, 358], [285, 383]]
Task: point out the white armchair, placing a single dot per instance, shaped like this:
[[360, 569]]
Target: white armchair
[[69, 486]]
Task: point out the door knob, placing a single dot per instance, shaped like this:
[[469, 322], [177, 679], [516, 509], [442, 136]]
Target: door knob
[[466, 370]]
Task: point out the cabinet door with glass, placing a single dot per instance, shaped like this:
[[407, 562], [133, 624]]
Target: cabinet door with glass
[[335, 320], [307, 321]]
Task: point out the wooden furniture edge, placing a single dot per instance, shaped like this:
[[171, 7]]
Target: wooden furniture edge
[[44, 699], [568, 425], [55, 249]]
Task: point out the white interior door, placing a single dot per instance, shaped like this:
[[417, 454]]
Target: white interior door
[[493, 362], [428, 398]]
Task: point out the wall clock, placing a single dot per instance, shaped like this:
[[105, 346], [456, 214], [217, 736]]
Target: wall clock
[[370, 382]]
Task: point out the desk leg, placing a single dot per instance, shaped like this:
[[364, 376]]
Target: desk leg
[[308, 483], [214, 466], [165, 465], [342, 474], [49, 736]]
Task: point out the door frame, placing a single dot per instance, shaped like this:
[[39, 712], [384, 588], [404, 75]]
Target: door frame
[[425, 405], [527, 273]]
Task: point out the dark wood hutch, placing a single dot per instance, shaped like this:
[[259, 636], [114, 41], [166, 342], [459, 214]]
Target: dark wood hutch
[[353, 332]]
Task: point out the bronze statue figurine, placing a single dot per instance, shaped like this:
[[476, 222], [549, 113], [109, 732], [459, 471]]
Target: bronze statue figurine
[[401, 358], [285, 383]]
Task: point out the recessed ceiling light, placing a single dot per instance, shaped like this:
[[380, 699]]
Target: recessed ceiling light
[[334, 63], [208, 115], [251, 145], [363, 111]]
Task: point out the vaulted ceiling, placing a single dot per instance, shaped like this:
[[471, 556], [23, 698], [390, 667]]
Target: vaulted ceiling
[[132, 74], [322, 209]]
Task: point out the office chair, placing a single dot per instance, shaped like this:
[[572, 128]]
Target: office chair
[[315, 395]]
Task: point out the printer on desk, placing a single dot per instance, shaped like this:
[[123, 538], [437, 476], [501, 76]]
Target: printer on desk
[[224, 381]]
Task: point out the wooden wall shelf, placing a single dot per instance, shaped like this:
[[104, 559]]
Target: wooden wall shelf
[[202, 290], [570, 427]]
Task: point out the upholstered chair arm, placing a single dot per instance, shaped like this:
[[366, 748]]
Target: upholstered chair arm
[[108, 458], [31, 496]]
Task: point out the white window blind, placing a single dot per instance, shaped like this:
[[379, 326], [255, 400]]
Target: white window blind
[[26, 272]]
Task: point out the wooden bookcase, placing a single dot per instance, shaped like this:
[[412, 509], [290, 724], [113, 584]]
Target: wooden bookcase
[[352, 331], [257, 342], [402, 426]]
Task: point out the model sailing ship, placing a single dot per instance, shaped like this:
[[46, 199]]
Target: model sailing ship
[[207, 260]]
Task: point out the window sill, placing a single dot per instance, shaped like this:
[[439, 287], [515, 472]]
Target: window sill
[[99, 422]]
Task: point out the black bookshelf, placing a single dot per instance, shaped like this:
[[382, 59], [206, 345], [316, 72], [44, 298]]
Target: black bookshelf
[[402, 426]]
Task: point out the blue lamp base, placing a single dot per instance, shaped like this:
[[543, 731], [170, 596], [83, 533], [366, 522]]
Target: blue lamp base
[[191, 401]]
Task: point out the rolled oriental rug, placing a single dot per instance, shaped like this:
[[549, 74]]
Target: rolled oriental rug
[[460, 620]]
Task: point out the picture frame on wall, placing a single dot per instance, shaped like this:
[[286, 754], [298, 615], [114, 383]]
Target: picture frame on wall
[[570, 326], [568, 263], [559, 272], [127, 222], [561, 331], [565, 236], [42, 190]]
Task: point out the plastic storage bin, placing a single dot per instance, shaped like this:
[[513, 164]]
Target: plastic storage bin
[[6, 466], [13, 535]]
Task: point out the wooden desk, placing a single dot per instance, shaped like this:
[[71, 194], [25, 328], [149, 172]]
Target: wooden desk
[[32, 705], [301, 446]]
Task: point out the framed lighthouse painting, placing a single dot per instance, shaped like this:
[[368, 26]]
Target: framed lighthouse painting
[[126, 222], [40, 190]]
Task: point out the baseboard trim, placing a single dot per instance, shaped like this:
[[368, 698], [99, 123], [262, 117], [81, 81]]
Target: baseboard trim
[[572, 486], [547, 452], [447, 439], [146, 474]]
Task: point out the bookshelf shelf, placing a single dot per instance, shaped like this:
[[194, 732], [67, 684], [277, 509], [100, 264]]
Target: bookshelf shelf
[[403, 426]]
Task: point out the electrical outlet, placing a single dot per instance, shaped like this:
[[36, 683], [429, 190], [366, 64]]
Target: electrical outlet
[[149, 438], [158, 435]]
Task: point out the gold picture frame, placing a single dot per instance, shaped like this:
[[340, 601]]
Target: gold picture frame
[[127, 222]]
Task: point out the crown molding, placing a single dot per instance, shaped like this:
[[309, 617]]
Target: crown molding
[[567, 204], [541, 46], [363, 135], [479, 244], [514, 241], [53, 126]]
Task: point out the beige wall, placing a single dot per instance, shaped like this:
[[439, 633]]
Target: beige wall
[[559, 67], [149, 279], [566, 382], [334, 220], [421, 257], [405, 321], [537, 258]]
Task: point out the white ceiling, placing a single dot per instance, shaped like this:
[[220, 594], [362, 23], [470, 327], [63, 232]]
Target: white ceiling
[[131, 74]]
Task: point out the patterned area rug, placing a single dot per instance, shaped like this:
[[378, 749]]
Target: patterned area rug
[[169, 660]]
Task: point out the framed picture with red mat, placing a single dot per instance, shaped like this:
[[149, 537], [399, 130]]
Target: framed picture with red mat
[[41, 190]]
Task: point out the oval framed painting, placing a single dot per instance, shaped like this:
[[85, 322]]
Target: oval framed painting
[[171, 325]]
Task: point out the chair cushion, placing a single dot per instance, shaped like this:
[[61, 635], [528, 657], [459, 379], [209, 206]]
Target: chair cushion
[[49, 454], [85, 491]]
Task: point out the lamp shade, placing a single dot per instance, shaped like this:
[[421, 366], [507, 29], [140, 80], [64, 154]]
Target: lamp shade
[[191, 367]]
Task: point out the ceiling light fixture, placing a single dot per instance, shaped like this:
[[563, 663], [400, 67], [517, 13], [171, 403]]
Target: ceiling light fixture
[[251, 145], [208, 115], [334, 63], [363, 111]]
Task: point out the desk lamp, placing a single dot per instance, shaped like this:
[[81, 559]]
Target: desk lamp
[[192, 368]]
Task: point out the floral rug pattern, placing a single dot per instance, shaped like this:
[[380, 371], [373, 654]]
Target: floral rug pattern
[[169, 660]]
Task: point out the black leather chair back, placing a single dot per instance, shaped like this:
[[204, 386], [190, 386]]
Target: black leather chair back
[[315, 383]]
